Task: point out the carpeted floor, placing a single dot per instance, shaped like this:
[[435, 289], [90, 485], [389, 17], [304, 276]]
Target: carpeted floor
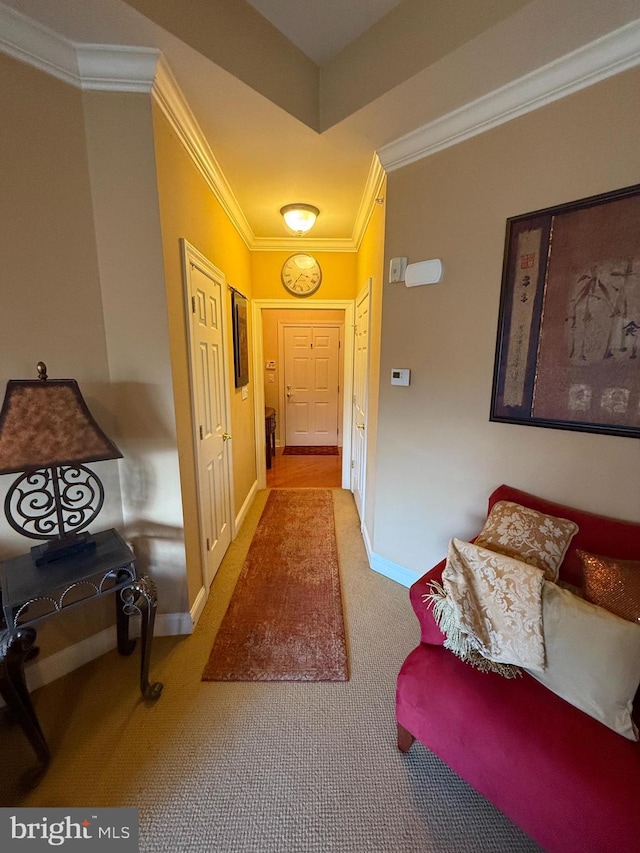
[[222, 767], [284, 621]]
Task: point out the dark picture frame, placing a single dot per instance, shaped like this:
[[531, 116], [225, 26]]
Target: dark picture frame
[[240, 339], [567, 351]]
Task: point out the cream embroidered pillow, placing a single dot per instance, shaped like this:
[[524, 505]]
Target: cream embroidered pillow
[[496, 603], [528, 535], [593, 658]]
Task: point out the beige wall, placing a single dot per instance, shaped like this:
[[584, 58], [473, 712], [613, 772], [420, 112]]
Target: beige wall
[[227, 32], [119, 132], [188, 209], [438, 456], [411, 37], [50, 299]]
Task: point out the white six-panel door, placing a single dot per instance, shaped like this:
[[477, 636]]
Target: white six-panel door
[[209, 377], [311, 379]]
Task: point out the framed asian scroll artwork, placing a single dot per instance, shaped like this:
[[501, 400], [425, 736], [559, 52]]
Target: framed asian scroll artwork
[[240, 339], [567, 353]]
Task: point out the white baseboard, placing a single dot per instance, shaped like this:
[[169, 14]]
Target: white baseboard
[[45, 670], [392, 570], [385, 567], [173, 624], [198, 605], [367, 542]]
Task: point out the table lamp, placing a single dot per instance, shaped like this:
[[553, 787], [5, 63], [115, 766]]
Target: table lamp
[[47, 432]]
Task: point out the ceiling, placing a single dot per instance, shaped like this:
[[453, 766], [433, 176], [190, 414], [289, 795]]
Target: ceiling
[[322, 29], [295, 97]]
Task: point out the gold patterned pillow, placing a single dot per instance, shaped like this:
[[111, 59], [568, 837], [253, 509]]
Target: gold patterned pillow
[[528, 535], [612, 584]]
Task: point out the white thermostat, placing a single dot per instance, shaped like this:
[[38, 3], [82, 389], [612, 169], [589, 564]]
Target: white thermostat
[[400, 376]]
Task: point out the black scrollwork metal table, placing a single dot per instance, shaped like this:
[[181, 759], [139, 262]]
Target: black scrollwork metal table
[[32, 594]]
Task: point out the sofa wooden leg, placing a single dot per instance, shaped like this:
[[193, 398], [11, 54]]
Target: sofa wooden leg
[[405, 739]]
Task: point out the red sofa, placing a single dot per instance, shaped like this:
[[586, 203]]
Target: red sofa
[[567, 780]]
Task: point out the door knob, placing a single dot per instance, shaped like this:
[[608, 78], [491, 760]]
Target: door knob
[[225, 436]]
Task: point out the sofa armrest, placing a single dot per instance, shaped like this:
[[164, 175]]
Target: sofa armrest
[[429, 631]]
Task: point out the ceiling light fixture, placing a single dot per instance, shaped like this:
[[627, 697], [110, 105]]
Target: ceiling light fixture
[[299, 217]]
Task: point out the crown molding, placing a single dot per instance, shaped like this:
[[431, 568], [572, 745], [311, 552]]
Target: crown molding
[[117, 68], [294, 244], [97, 67], [172, 103], [370, 196], [602, 58], [38, 46]]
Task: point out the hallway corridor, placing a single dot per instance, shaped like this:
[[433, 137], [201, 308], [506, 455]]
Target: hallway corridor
[[304, 472]]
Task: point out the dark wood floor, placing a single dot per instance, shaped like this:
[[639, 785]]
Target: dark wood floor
[[304, 472]]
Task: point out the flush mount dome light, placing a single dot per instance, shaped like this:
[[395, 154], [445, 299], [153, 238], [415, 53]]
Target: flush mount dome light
[[299, 217]]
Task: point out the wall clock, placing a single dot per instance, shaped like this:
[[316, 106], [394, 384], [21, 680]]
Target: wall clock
[[301, 274]]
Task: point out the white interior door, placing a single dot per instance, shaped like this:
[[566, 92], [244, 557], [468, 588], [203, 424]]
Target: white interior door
[[209, 378], [360, 386], [311, 380]]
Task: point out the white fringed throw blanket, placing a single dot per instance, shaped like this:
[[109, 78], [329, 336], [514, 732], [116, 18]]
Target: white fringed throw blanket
[[490, 609]]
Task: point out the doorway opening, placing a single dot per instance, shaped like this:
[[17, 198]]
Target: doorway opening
[[303, 397], [309, 347]]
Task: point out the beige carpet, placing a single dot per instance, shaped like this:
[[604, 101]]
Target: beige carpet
[[222, 767], [284, 621]]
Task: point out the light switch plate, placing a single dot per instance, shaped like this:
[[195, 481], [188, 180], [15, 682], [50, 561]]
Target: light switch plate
[[400, 376]]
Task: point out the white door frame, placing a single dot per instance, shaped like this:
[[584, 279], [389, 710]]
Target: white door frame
[[346, 305], [190, 255], [281, 383], [365, 293]]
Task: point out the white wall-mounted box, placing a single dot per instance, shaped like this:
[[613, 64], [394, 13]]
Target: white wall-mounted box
[[400, 376]]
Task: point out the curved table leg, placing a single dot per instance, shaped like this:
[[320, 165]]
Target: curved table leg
[[140, 597], [14, 650], [125, 645]]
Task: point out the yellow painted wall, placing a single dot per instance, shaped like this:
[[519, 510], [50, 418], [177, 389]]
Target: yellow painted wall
[[189, 210], [338, 275]]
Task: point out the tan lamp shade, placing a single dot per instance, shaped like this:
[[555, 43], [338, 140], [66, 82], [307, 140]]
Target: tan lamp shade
[[46, 423]]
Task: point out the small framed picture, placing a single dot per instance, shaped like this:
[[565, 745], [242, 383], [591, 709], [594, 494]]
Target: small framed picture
[[567, 353], [240, 339]]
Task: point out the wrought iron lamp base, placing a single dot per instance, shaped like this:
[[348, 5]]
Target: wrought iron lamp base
[[60, 549]]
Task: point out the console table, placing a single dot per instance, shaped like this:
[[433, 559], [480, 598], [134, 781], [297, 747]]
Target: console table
[[270, 432], [32, 594]]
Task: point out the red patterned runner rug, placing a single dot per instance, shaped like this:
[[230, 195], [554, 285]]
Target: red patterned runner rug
[[285, 619]]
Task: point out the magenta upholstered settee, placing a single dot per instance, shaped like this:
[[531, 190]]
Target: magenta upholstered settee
[[564, 778]]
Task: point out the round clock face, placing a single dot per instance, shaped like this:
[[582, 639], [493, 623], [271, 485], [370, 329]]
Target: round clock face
[[301, 275]]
